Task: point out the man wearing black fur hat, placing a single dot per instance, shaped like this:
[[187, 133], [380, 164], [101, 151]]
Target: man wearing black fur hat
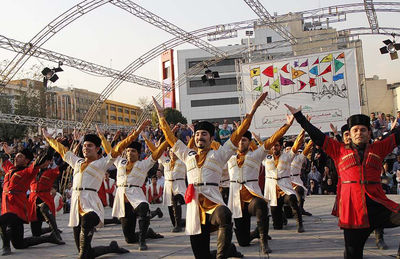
[[14, 212], [278, 186], [345, 138], [245, 196], [87, 211], [206, 209], [362, 204], [41, 203], [130, 201]]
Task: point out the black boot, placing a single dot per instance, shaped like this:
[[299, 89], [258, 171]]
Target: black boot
[[48, 230], [85, 240], [171, 215], [111, 248], [224, 239], [303, 211], [156, 212], [6, 241], [32, 241], [77, 233], [153, 235], [144, 223], [177, 209], [263, 230], [380, 243], [299, 219], [51, 220]]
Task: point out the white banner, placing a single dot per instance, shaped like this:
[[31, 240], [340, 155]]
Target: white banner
[[325, 85]]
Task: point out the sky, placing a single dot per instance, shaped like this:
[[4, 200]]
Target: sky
[[112, 37]]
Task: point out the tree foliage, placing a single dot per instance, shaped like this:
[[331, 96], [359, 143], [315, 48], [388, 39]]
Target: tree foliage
[[174, 116]]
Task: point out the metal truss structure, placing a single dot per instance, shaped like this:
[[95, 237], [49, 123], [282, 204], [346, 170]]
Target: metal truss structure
[[264, 15], [51, 123], [19, 47], [371, 15], [322, 15]]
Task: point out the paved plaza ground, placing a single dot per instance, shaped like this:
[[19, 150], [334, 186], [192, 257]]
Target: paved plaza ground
[[322, 239]]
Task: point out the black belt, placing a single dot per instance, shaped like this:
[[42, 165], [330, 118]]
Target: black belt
[[224, 180], [85, 189], [253, 180], [12, 191], [362, 182], [201, 184], [129, 185], [177, 179], [279, 177], [295, 175], [41, 191]]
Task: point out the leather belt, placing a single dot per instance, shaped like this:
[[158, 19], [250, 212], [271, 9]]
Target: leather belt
[[85, 189], [12, 191], [279, 177], [295, 174], [41, 191], [237, 181], [224, 180], [362, 182], [128, 185], [177, 179], [203, 184]]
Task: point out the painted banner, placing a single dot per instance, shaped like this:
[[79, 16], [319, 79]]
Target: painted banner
[[324, 84]]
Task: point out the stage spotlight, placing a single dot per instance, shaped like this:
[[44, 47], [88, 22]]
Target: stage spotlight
[[391, 47], [50, 74]]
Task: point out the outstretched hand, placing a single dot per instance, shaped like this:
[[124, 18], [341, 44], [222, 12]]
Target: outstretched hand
[[99, 132], [157, 106], [289, 119], [292, 109], [144, 125], [333, 128], [7, 149], [46, 133], [257, 103]]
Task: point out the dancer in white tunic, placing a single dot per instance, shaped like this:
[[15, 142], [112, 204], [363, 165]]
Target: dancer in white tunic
[[130, 201], [278, 186], [174, 185], [205, 206], [245, 196], [87, 211], [295, 172]]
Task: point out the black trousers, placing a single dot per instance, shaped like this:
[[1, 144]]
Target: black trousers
[[221, 218], [257, 207], [128, 222], [379, 216], [276, 211], [36, 226], [87, 223], [175, 211], [225, 193]]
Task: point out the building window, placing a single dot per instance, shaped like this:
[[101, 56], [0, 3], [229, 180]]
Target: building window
[[120, 119], [269, 39], [126, 119], [133, 120], [119, 109], [133, 112], [112, 108], [221, 81], [113, 118], [214, 102], [126, 111]]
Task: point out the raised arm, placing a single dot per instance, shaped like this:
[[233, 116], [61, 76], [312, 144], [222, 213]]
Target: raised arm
[[169, 135], [156, 154], [149, 144], [104, 142], [257, 138], [308, 148], [279, 133], [58, 147], [238, 133], [298, 142], [120, 147], [317, 136]]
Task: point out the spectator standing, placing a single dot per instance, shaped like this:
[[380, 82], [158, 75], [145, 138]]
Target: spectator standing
[[224, 133]]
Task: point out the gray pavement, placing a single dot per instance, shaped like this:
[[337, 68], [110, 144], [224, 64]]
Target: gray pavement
[[322, 239]]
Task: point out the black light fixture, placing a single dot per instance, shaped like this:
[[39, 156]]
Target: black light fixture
[[391, 47], [209, 76], [50, 74]]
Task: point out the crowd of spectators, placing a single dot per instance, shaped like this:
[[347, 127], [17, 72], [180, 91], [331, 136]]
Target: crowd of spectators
[[318, 172]]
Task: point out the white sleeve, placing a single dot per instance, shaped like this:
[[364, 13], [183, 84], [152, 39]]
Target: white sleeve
[[260, 153], [71, 159], [224, 153], [181, 150], [107, 161], [117, 161], [147, 164]]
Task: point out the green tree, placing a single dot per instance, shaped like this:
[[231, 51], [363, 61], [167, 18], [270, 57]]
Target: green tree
[[174, 116]]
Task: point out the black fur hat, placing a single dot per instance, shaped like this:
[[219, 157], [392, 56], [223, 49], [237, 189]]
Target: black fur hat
[[27, 153], [359, 119], [136, 145], [344, 128], [92, 138], [247, 135], [205, 125]]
